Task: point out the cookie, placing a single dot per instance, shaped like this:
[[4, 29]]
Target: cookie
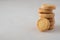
[[44, 11], [51, 27], [46, 15], [48, 6], [51, 19], [43, 24], [52, 23]]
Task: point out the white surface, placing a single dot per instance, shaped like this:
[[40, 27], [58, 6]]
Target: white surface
[[18, 20]]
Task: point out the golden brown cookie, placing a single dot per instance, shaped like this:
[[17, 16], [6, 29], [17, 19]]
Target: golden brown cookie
[[48, 6], [51, 19], [52, 23], [46, 15], [43, 24], [44, 11], [51, 27]]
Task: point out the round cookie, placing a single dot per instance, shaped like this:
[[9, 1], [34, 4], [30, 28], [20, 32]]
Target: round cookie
[[46, 15], [51, 19], [48, 6], [43, 24], [52, 23], [44, 11], [51, 27]]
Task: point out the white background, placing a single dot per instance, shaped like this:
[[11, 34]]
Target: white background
[[18, 20]]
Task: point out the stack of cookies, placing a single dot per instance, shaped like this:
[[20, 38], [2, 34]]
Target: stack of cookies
[[46, 12]]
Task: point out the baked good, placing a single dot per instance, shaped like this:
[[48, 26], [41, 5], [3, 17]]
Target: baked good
[[43, 24], [46, 15], [51, 27], [51, 19], [52, 23], [44, 11], [48, 6]]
